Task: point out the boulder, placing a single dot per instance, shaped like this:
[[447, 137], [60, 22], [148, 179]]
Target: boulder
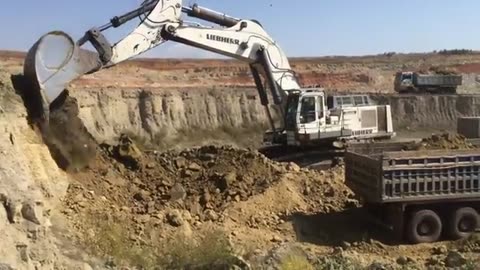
[[194, 167], [32, 213], [180, 162], [177, 192], [226, 181], [455, 259]]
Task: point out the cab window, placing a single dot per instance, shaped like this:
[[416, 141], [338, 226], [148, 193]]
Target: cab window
[[358, 100], [307, 112], [347, 101], [407, 76]]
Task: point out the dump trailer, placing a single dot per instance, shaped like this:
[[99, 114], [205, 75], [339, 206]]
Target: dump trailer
[[413, 82], [423, 196]]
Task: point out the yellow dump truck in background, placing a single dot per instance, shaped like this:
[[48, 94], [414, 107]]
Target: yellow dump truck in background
[[414, 82]]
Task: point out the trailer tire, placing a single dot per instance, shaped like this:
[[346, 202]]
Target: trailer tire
[[424, 226], [463, 222]]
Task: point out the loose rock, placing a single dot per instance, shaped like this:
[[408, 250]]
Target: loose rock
[[174, 218], [276, 239], [455, 259], [194, 167], [377, 266], [143, 195], [439, 250], [293, 167], [13, 211], [29, 212], [178, 192], [150, 165], [346, 245], [211, 215], [403, 260], [180, 162], [226, 181]]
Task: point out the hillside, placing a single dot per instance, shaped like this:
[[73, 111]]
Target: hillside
[[365, 74]]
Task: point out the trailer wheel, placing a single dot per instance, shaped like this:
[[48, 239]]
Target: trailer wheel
[[463, 222], [424, 226]]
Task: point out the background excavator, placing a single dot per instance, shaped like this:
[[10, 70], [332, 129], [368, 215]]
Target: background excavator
[[306, 119]]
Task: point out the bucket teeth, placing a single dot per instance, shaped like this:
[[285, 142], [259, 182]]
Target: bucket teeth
[[51, 64]]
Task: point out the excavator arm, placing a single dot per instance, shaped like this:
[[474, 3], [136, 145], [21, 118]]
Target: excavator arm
[[56, 59], [246, 41]]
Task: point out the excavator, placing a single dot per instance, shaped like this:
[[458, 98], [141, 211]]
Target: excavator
[[56, 59]]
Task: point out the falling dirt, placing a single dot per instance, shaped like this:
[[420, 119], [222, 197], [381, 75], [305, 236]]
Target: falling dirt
[[66, 135], [63, 132]]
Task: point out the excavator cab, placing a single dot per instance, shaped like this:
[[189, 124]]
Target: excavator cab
[[309, 121], [305, 114]]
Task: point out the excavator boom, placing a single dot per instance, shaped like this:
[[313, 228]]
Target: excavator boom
[[56, 59]]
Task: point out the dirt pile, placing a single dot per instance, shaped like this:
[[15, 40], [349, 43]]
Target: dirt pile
[[203, 180], [147, 203], [238, 191], [445, 141], [438, 70]]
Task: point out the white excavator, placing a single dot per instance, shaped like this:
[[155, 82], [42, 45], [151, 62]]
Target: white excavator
[[56, 59]]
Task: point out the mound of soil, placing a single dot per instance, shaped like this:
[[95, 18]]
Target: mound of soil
[[155, 195], [445, 141], [201, 180]]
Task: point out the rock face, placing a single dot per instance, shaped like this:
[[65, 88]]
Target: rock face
[[31, 185], [107, 113], [163, 113], [427, 111]]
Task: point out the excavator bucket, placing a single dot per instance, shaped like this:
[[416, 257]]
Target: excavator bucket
[[56, 59], [51, 64]]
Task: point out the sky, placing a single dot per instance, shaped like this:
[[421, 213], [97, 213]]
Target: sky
[[301, 27]]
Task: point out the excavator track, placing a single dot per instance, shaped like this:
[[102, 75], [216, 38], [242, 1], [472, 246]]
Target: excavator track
[[322, 157], [313, 157]]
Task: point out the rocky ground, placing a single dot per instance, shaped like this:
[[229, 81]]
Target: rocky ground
[[256, 213], [240, 193]]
